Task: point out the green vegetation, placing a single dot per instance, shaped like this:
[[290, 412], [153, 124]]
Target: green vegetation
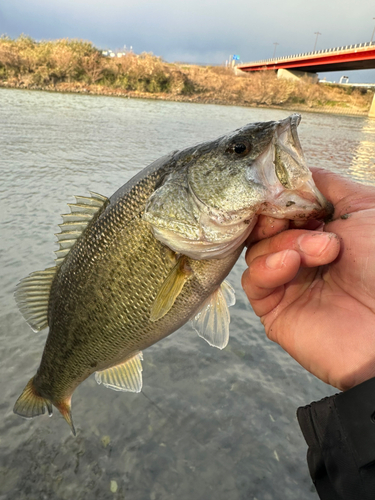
[[77, 66]]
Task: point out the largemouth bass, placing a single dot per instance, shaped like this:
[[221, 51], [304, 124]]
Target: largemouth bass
[[133, 268]]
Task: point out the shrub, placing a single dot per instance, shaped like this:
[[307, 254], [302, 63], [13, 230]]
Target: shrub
[[25, 62]]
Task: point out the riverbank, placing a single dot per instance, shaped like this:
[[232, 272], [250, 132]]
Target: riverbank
[[193, 98], [78, 67]]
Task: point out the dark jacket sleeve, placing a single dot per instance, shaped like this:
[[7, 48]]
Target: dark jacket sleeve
[[340, 434]]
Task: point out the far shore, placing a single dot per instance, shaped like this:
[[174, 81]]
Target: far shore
[[99, 90], [76, 66]]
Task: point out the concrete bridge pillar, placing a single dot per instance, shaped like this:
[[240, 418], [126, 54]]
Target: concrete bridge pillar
[[371, 113]]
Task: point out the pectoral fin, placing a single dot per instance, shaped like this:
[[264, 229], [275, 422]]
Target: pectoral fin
[[212, 321], [171, 289], [126, 376]]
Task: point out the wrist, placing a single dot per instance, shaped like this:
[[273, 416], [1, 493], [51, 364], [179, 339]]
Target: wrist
[[356, 379]]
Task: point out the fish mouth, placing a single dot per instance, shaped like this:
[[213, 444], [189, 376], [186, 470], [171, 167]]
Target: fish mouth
[[309, 203], [292, 193], [305, 203]]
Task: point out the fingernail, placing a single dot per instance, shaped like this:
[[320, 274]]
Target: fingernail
[[313, 244], [276, 260]]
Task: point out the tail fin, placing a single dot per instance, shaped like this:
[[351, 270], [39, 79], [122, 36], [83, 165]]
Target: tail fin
[[30, 404], [66, 411]]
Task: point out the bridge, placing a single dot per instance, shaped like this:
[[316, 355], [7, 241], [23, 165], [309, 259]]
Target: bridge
[[349, 57]]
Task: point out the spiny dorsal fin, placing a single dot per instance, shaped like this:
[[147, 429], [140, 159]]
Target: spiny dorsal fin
[[126, 376], [32, 295], [75, 223], [212, 321], [170, 289]]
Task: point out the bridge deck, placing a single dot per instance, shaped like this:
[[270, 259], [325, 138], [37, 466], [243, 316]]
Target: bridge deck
[[360, 56]]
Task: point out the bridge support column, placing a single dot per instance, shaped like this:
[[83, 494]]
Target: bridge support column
[[371, 113]]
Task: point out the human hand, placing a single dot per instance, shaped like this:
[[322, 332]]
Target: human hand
[[315, 290]]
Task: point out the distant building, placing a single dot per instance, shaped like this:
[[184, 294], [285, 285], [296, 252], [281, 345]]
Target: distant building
[[110, 53]]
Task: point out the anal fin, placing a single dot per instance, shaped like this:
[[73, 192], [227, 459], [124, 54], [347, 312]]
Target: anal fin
[[126, 376], [212, 321]]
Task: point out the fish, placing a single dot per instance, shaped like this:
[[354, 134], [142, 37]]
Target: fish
[[133, 268]]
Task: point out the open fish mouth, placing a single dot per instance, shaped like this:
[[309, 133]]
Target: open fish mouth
[[210, 206], [308, 203], [292, 193]]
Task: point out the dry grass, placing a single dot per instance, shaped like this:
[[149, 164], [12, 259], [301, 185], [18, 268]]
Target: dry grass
[[46, 62], [74, 64], [28, 63], [264, 88]]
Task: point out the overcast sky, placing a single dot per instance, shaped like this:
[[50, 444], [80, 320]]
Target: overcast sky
[[198, 31]]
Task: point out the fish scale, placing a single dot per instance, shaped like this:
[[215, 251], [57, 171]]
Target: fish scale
[[134, 268], [105, 317]]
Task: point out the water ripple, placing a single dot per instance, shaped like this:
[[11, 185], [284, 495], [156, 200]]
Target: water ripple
[[213, 424]]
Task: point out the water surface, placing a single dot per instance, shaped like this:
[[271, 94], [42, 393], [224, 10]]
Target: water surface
[[208, 424]]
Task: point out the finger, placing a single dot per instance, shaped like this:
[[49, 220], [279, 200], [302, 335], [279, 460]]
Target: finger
[[311, 224], [315, 248], [267, 273], [335, 187], [265, 227]]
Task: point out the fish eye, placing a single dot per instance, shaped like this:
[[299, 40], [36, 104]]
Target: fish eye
[[239, 148]]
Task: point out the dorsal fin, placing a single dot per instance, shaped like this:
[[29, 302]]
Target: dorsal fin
[[32, 293], [74, 224]]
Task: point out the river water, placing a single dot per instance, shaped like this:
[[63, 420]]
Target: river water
[[208, 424]]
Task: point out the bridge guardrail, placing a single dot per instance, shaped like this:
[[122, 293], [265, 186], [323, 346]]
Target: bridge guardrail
[[316, 52]]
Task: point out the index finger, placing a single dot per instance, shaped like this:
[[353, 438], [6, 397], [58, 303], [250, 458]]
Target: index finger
[[314, 248], [266, 227]]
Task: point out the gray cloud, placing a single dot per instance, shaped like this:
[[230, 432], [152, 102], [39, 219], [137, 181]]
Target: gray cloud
[[202, 31]]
